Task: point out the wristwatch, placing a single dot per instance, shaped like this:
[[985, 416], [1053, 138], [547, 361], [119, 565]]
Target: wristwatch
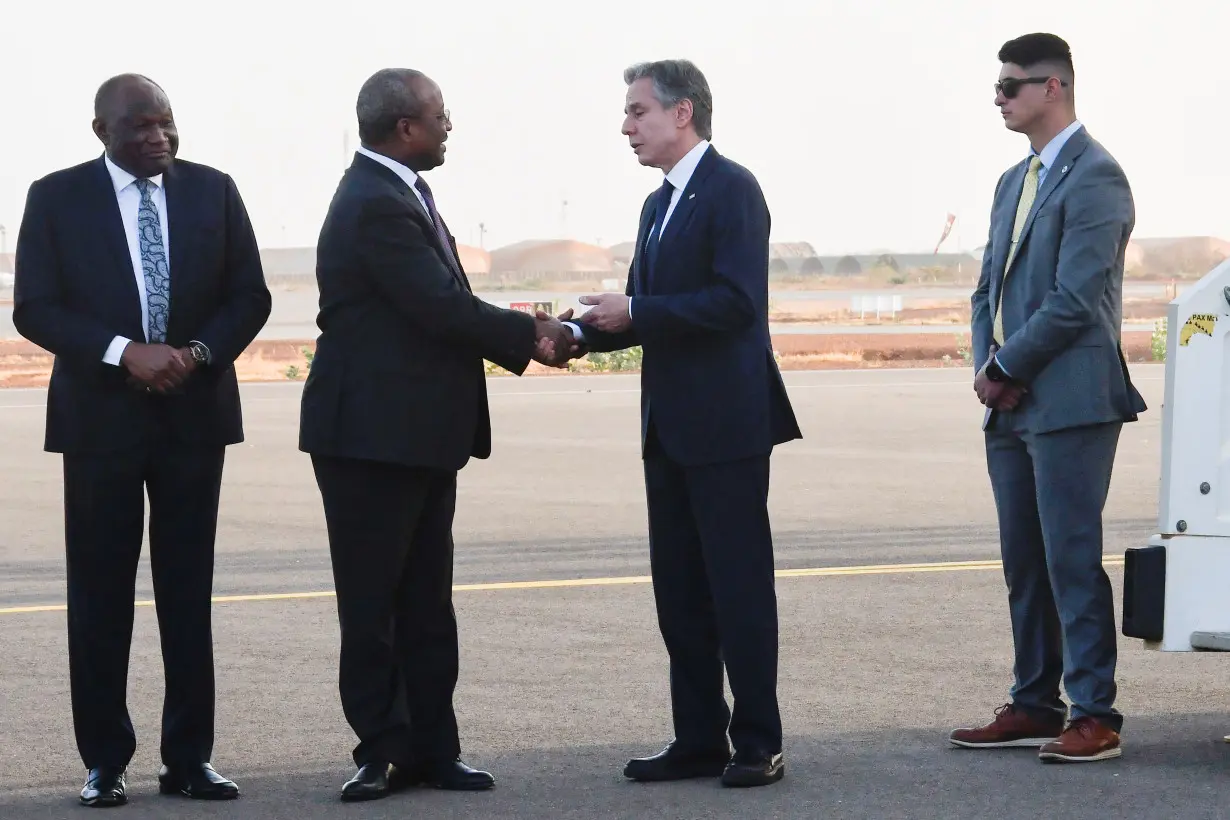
[[994, 372], [200, 353]]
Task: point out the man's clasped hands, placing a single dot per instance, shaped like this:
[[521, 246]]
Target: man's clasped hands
[[998, 395]]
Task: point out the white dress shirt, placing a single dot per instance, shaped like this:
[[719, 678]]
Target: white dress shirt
[[679, 176], [129, 198], [407, 176], [1050, 152]]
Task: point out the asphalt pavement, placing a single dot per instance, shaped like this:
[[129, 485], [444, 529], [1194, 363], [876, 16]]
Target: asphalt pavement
[[894, 625]]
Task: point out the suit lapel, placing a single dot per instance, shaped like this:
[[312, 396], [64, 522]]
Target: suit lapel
[[1055, 175], [638, 256], [687, 199], [103, 192], [370, 165], [1002, 239], [181, 219]]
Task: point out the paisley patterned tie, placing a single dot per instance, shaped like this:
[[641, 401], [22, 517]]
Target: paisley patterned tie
[[154, 264]]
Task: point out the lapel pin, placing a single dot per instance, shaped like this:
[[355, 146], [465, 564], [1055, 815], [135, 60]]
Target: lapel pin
[[1063, 170], [693, 196]]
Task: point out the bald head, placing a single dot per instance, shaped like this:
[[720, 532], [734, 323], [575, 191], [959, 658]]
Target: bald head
[[132, 118], [113, 94], [401, 114]]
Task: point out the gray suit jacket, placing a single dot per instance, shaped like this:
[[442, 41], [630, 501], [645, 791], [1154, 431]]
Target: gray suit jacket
[[1063, 296]]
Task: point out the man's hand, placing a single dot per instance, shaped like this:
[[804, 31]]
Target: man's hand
[[610, 314], [156, 367], [577, 347], [555, 345], [1001, 396]]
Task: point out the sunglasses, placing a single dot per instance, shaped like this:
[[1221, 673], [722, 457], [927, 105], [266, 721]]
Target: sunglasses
[[1011, 86]]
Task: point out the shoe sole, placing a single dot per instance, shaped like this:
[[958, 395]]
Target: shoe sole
[[732, 783], [1020, 743], [362, 797], [1056, 757], [109, 803], [695, 772], [171, 790], [441, 787], [672, 778]]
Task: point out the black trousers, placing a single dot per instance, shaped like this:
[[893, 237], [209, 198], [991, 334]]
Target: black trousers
[[711, 558], [104, 523], [391, 544]]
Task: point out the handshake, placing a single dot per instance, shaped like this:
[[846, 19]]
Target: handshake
[[556, 346]]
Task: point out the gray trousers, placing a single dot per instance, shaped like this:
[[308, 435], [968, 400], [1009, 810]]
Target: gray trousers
[[1050, 490]]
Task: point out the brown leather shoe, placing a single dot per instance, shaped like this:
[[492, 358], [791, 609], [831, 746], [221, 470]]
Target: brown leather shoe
[[1012, 728], [1084, 741]]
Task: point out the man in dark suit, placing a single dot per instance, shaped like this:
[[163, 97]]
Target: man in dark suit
[[1047, 321], [713, 405], [140, 272], [394, 407]]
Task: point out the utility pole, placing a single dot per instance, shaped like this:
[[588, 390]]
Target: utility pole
[[482, 233]]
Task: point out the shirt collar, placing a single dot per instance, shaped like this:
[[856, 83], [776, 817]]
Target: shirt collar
[[121, 179], [1050, 152], [407, 176], [681, 174]]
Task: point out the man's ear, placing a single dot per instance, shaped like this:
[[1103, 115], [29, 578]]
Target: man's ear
[[683, 112]]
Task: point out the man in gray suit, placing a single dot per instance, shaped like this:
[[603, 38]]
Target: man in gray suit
[[1046, 325]]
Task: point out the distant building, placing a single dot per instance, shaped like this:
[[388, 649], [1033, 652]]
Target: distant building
[[546, 257], [858, 264], [794, 259]]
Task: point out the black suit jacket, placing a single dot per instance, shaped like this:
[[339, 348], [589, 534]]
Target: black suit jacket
[[398, 373], [701, 316], [76, 290]]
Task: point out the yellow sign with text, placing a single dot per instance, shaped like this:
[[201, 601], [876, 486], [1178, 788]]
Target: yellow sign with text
[[1201, 323]]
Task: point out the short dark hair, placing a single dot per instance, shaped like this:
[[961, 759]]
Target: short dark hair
[[1038, 49], [677, 80], [384, 100]]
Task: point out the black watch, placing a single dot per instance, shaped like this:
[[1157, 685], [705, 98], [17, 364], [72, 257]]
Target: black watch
[[200, 353], [994, 372]]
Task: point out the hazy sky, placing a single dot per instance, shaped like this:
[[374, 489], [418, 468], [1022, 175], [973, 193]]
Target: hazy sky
[[865, 123]]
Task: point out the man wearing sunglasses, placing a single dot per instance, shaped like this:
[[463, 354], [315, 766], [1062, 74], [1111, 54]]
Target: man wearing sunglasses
[[1047, 315]]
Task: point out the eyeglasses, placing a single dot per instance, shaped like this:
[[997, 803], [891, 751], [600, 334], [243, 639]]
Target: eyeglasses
[[1011, 86], [444, 118]]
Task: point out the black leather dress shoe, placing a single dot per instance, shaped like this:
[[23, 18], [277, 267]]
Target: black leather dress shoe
[[104, 787], [451, 775], [371, 782], [754, 769], [199, 782], [677, 763]]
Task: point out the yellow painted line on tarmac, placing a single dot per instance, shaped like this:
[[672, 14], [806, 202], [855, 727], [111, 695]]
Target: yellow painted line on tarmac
[[814, 572]]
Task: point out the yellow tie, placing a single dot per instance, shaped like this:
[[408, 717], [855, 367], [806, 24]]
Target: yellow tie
[[1028, 193]]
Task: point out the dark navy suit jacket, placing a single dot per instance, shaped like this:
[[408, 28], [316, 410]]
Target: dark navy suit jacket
[[709, 381], [76, 290]]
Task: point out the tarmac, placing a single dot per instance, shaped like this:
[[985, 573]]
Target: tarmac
[[894, 624]]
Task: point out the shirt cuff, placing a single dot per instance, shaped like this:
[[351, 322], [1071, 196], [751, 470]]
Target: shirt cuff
[[577, 333], [115, 350], [1001, 366], [630, 301]]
